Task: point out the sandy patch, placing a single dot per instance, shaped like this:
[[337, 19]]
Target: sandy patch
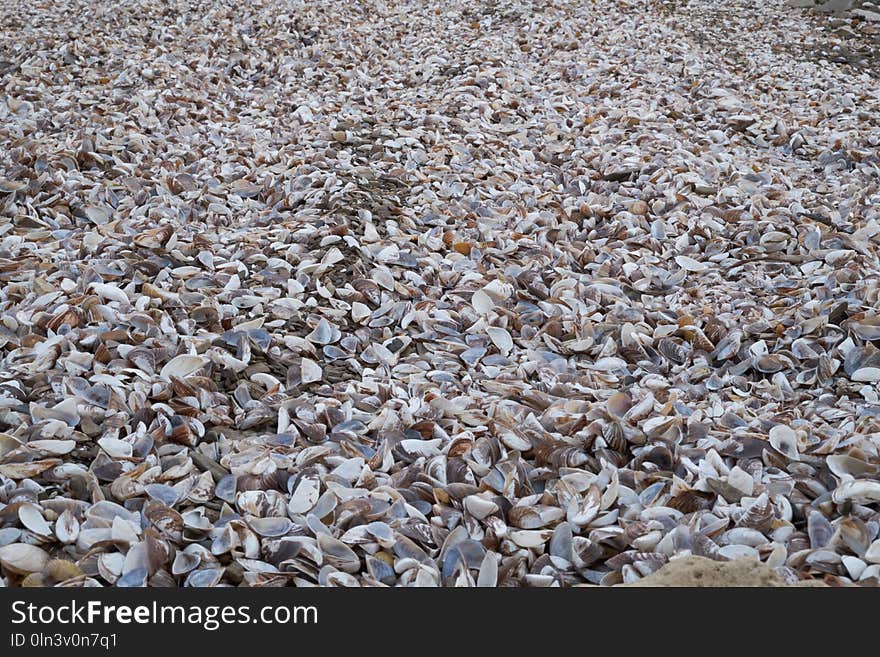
[[702, 572]]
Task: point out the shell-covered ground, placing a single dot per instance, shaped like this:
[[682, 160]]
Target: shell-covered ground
[[435, 293]]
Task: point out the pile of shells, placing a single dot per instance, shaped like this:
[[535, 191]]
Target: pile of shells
[[432, 294], [867, 10], [840, 31]]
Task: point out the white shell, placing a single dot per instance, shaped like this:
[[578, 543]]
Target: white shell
[[182, 366], [32, 518]]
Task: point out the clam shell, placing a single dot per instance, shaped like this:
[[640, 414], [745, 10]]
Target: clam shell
[[23, 559], [784, 441], [183, 366], [859, 491], [32, 518]]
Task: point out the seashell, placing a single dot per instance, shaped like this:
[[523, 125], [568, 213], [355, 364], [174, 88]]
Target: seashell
[[527, 538], [867, 328], [338, 554], [204, 578], [690, 501], [8, 444], [488, 575], [27, 470], [501, 339], [844, 466], [67, 527], [733, 552], [23, 559], [482, 302], [585, 552], [380, 571], [823, 561], [304, 496], [311, 371], [324, 333], [104, 512], [741, 480], [561, 542], [641, 409], [184, 562], [109, 292], [872, 554], [854, 566], [819, 529], [162, 493], [89, 536], [360, 311], [32, 518], [609, 364], [861, 491], [690, 265], [784, 441], [479, 507], [225, 488], [195, 521], [53, 447], [853, 534], [270, 527], [183, 366], [581, 511], [110, 565], [498, 290], [534, 517], [866, 374], [618, 404], [758, 514]]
